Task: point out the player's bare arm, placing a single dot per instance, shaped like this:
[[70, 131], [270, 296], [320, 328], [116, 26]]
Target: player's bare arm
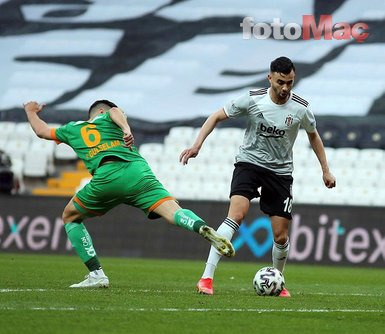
[[318, 148], [206, 129], [40, 127], [120, 119]]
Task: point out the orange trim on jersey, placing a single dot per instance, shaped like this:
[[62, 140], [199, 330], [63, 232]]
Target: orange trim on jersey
[[77, 200], [155, 205], [53, 136]]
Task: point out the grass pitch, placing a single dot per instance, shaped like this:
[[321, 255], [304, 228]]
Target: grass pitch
[[158, 296]]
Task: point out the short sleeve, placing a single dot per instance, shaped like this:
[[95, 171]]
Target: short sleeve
[[308, 121], [61, 134], [238, 107]]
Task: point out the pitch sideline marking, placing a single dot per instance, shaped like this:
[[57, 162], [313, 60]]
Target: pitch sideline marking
[[23, 290], [188, 292], [247, 310]]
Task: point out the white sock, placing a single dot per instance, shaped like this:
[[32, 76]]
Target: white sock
[[279, 255], [99, 272], [226, 229]]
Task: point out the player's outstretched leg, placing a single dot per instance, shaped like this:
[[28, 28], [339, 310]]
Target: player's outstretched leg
[[174, 214]]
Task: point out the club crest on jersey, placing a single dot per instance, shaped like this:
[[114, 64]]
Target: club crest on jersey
[[289, 120]]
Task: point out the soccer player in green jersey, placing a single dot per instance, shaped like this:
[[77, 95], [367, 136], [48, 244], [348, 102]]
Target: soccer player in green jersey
[[265, 160], [120, 175]]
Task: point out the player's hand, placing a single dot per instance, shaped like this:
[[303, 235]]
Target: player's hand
[[33, 107], [128, 139], [188, 153], [329, 180]]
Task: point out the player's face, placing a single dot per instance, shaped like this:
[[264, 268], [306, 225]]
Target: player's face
[[281, 85]]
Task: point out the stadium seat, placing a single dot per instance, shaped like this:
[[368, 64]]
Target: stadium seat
[[308, 193], [184, 135], [308, 176], [22, 130], [185, 189], [215, 191], [365, 177], [46, 147], [152, 152], [205, 155], [193, 172], [6, 128], [301, 156], [378, 201], [170, 172], [360, 196], [35, 164], [371, 156], [218, 172], [230, 136], [222, 153], [212, 139], [345, 157], [344, 175], [155, 167], [337, 196], [16, 148], [330, 152], [3, 142]]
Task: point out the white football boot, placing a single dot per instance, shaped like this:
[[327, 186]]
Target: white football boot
[[95, 279], [220, 243]]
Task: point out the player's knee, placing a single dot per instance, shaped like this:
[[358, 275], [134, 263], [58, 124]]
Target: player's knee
[[280, 239], [237, 217], [67, 216], [70, 214]]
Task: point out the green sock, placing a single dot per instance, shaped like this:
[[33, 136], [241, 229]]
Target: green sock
[[82, 243], [188, 220]]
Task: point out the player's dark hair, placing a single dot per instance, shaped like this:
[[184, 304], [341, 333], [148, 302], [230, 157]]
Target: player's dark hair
[[282, 65], [100, 103]]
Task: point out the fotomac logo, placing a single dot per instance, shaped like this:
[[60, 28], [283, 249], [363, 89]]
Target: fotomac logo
[[292, 31]]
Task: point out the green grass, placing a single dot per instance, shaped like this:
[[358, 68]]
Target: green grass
[[158, 296]]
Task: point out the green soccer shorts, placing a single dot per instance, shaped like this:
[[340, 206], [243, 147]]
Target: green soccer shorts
[[132, 183]]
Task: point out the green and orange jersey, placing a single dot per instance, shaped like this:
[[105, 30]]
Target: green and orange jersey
[[93, 140]]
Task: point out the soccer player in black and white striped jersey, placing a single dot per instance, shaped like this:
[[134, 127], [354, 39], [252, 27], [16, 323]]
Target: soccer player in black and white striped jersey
[[265, 160]]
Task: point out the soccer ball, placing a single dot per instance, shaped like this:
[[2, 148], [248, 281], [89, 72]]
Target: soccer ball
[[268, 281]]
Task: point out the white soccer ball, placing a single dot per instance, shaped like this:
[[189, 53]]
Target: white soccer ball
[[268, 281]]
